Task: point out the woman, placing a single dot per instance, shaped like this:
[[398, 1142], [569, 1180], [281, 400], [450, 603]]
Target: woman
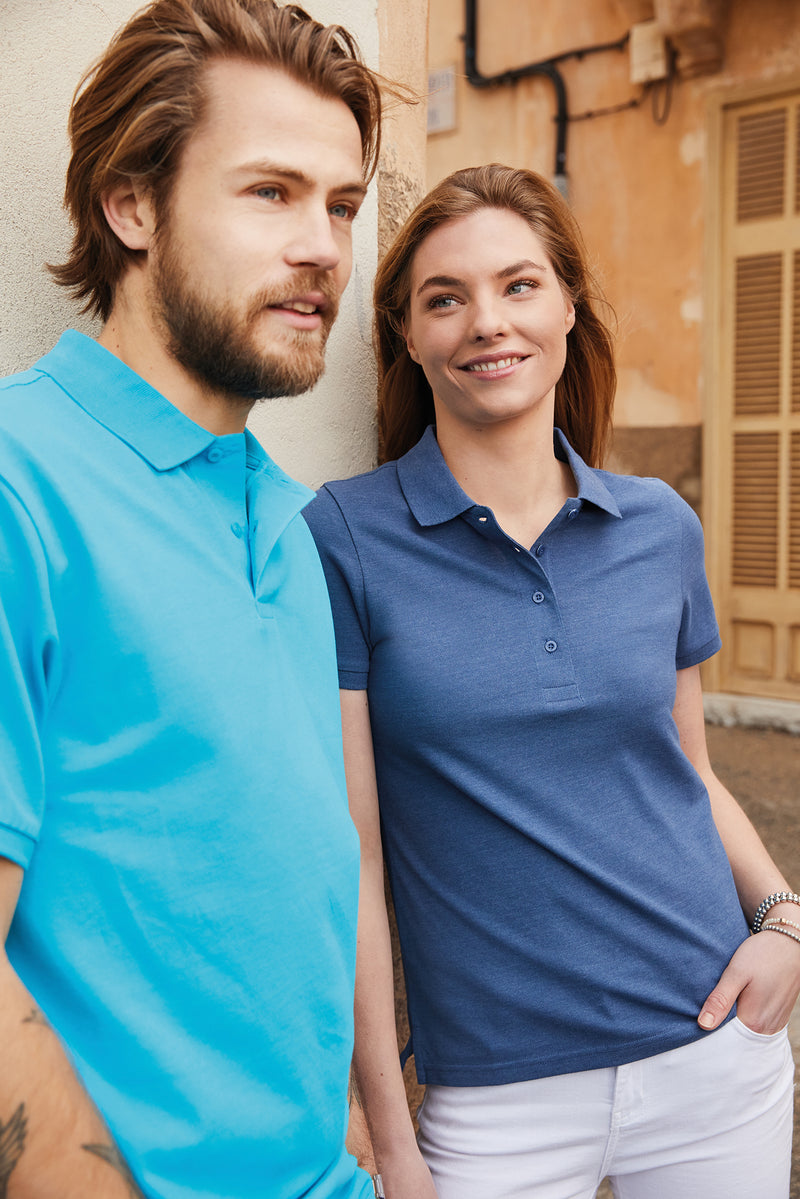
[[519, 637]]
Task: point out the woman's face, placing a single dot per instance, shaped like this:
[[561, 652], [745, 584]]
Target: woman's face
[[487, 320]]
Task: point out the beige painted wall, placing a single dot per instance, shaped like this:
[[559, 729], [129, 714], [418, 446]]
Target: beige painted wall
[[637, 188], [43, 50]]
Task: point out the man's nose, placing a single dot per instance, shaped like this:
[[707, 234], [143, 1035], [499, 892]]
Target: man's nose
[[314, 243]]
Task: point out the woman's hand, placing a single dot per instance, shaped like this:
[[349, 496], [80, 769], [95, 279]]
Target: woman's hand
[[407, 1176], [763, 978]]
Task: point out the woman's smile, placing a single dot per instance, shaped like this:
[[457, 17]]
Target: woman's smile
[[486, 308]]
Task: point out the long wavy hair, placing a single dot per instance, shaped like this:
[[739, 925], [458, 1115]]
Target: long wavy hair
[[585, 392], [137, 107]]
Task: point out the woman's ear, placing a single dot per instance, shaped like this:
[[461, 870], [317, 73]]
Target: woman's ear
[[569, 316], [130, 213], [410, 343]]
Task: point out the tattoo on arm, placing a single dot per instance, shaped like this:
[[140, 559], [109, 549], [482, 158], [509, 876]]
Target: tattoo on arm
[[12, 1143], [36, 1017], [112, 1155]]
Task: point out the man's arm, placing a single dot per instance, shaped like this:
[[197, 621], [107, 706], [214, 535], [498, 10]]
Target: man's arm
[[53, 1142]]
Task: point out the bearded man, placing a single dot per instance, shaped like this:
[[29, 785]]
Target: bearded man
[[178, 872]]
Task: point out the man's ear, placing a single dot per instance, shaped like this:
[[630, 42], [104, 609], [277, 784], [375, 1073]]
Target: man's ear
[[130, 213]]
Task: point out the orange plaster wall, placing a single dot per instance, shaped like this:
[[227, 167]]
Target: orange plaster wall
[[637, 188]]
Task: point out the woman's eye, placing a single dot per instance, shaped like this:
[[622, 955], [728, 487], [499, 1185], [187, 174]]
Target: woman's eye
[[442, 301], [521, 286]]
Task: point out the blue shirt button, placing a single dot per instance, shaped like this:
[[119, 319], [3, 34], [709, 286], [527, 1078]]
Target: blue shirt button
[[573, 512], [538, 597], [214, 454], [237, 529], [551, 646], [539, 550]]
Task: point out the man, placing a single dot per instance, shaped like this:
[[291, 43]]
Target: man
[[178, 873]]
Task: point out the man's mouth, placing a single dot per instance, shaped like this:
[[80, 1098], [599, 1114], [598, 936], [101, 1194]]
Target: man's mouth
[[312, 303], [300, 306]]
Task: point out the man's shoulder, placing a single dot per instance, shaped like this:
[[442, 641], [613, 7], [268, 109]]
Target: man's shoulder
[[17, 389], [24, 399]]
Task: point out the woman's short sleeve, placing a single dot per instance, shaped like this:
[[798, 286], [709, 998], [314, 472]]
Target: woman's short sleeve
[[345, 578], [698, 638]]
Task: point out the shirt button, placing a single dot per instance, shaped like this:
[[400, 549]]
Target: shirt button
[[538, 597], [551, 646], [214, 454], [237, 529], [539, 550], [483, 519], [573, 512]]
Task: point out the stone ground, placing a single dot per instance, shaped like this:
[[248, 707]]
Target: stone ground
[[762, 769]]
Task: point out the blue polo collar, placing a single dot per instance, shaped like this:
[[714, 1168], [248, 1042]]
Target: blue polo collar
[[123, 402], [434, 496]]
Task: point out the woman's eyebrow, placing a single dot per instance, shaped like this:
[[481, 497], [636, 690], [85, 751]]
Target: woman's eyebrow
[[524, 264], [440, 281]]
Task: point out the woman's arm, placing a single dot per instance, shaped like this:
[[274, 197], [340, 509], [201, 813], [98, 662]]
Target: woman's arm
[[763, 976], [376, 1061]]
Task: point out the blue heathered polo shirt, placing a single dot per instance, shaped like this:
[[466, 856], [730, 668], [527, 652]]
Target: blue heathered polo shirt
[[563, 899], [171, 777]]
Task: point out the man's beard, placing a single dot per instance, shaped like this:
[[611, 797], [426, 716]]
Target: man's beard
[[219, 345]]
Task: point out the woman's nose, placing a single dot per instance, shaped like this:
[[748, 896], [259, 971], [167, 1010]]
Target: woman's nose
[[488, 320]]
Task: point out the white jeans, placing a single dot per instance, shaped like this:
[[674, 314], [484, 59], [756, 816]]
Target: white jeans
[[711, 1120]]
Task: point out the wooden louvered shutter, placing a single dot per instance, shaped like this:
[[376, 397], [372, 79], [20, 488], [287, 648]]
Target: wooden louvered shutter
[[757, 503]]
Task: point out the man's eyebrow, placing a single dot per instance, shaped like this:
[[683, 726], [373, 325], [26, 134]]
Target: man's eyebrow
[[525, 264], [294, 175]]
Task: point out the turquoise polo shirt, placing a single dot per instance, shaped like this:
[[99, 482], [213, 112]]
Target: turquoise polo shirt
[[171, 779], [563, 899]]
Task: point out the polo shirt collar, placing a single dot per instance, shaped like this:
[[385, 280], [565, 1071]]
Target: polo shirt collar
[[591, 487], [434, 496], [123, 402]]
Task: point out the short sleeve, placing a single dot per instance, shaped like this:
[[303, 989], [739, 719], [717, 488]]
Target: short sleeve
[[698, 638], [345, 579], [28, 657]]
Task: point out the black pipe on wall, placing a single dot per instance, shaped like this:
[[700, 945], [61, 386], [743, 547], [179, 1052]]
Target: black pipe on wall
[[546, 67]]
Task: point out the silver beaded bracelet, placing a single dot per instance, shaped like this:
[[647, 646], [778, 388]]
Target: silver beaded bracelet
[[770, 902], [778, 928]]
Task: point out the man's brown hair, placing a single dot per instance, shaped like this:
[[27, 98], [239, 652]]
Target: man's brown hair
[[137, 107]]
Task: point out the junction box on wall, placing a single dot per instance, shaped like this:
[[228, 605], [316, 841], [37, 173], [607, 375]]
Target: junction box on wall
[[649, 59]]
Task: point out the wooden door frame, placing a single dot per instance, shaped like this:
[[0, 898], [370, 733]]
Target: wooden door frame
[[717, 466]]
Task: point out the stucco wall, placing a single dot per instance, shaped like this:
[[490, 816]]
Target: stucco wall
[[44, 48], [638, 188]]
